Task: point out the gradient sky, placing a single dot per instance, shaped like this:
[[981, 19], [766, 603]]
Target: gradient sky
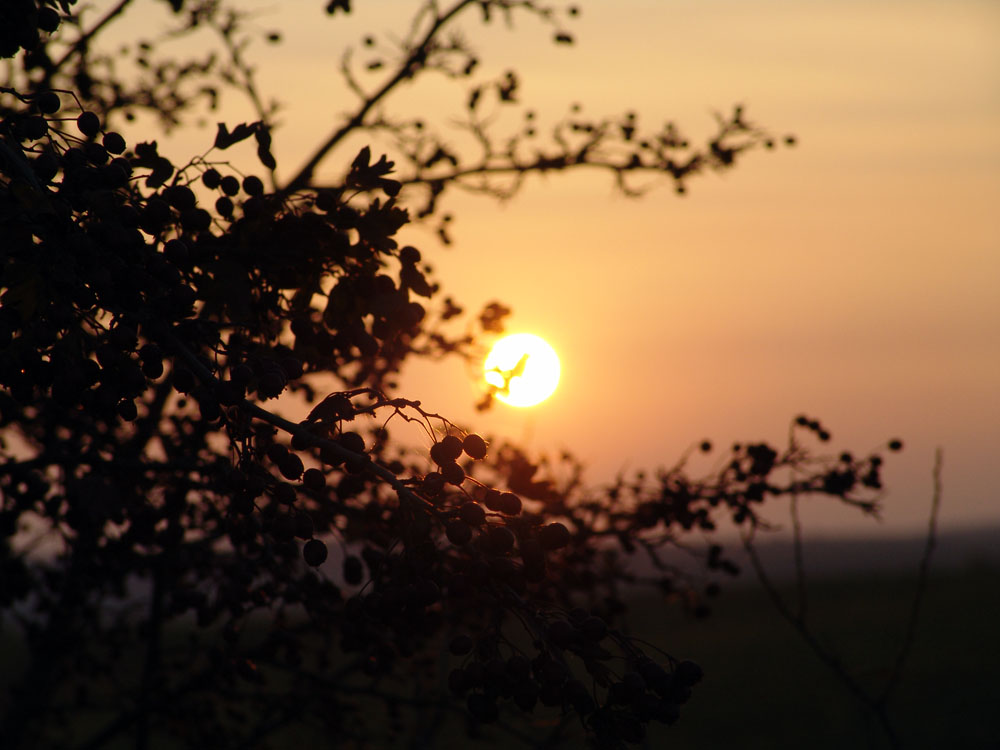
[[854, 278]]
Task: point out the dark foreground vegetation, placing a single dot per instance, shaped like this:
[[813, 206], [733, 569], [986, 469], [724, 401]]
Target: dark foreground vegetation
[[182, 566]]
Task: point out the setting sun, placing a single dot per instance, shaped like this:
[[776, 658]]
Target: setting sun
[[522, 369]]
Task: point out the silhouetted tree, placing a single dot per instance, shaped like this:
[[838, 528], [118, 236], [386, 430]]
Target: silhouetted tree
[[183, 563]]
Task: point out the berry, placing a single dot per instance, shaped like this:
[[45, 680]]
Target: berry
[[509, 504], [453, 473], [451, 447], [492, 500], [688, 673], [48, 102], [501, 539], [553, 536], [211, 178], [314, 479], [89, 124], [224, 205], [113, 142], [314, 553], [230, 185], [473, 514], [252, 185], [458, 532], [35, 128], [409, 255], [290, 466], [353, 442], [474, 446]]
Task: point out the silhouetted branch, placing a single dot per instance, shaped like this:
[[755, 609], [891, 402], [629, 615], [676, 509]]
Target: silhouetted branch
[[825, 655], [921, 588], [81, 43]]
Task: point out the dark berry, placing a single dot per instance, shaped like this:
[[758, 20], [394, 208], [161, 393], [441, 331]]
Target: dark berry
[[353, 442], [290, 466], [451, 447], [89, 124], [473, 514], [230, 185], [252, 185], [113, 142], [553, 536], [458, 532], [224, 205], [314, 479], [211, 178], [474, 446], [509, 504], [314, 552], [453, 473], [48, 102]]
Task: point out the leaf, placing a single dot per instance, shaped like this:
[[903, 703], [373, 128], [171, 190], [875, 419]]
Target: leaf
[[224, 139], [361, 160], [263, 136]]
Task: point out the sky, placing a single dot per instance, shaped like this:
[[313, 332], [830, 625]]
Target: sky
[[854, 278]]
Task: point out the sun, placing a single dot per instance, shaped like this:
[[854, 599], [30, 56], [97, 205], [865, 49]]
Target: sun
[[522, 369]]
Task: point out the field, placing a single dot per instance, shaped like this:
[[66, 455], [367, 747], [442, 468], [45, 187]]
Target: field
[[764, 688]]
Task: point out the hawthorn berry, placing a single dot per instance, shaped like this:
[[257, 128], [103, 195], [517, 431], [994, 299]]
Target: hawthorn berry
[[553, 536], [314, 553], [48, 102], [113, 142], [474, 446], [472, 513], [352, 441], [492, 499], [88, 123], [211, 178], [230, 185], [290, 466], [224, 205], [314, 479], [458, 532], [453, 473], [35, 128], [688, 673], [509, 504], [253, 186], [450, 447]]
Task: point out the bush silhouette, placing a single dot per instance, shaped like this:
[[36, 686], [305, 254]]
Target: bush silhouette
[[186, 565]]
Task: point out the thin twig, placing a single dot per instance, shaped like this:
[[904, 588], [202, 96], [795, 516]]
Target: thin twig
[[81, 44], [800, 571], [922, 575], [825, 655]]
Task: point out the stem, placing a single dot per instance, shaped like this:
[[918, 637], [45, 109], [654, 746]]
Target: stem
[[406, 70], [876, 707], [922, 574]]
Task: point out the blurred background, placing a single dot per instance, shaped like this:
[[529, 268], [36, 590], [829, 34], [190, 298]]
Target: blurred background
[[854, 278]]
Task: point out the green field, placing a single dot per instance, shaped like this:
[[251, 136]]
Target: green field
[[764, 688]]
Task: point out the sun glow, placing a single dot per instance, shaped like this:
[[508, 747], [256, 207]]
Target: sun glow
[[522, 370]]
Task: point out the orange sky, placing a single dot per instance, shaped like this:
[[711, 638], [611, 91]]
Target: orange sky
[[855, 278]]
